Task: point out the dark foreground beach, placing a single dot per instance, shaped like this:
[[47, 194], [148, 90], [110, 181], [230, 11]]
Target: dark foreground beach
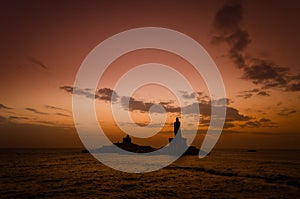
[[67, 173]]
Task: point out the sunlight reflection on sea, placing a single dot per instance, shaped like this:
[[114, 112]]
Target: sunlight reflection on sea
[[226, 173]]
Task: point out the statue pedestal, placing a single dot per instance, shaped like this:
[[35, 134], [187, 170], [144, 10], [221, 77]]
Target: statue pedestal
[[176, 144]]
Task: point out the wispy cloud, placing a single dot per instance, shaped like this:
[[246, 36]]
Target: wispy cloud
[[78, 91], [37, 62], [2, 106], [61, 114], [265, 123], [36, 111], [45, 122], [56, 108], [153, 125], [287, 111], [227, 125]]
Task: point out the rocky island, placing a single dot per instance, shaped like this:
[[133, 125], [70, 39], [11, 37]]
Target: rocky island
[[172, 149]]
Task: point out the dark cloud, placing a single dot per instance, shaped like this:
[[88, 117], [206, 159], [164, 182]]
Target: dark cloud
[[221, 102], [138, 105], [186, 95], [232, 114], [229, 17], [228, 125], [294, 87], [255, 90], [78, 91], [263, 93], [202, 97], [132, 104], [264, 120], [228, 28], [2, 106], [267, 74], [294, 83], [166, 103], [36, 111], [204, 108], [37, 62], [251, 124], [68, 89], [249, 93], [107, 94], [287, 111], [245, 96]]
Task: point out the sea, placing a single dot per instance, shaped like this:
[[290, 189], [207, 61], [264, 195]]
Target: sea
[[225, 173]]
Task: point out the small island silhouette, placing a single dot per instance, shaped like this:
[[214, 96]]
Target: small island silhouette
[[171, 149]]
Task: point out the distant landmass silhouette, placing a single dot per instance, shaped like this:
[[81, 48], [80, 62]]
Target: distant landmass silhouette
[[172, 149]]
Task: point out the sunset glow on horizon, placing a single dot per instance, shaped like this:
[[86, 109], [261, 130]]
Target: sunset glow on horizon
[[255, 49]]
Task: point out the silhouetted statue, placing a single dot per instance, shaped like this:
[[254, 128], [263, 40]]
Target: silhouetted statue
[[127, 140], [177, 126]]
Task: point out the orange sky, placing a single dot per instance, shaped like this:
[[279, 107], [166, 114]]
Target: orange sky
[[44, 44]]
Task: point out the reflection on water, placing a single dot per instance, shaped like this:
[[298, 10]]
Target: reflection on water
[[134, 163], [223, 174]]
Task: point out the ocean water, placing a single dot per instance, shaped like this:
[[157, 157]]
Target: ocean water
[[67, 173]]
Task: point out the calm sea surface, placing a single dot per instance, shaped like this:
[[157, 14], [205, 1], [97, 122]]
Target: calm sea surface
[[67, 173]]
